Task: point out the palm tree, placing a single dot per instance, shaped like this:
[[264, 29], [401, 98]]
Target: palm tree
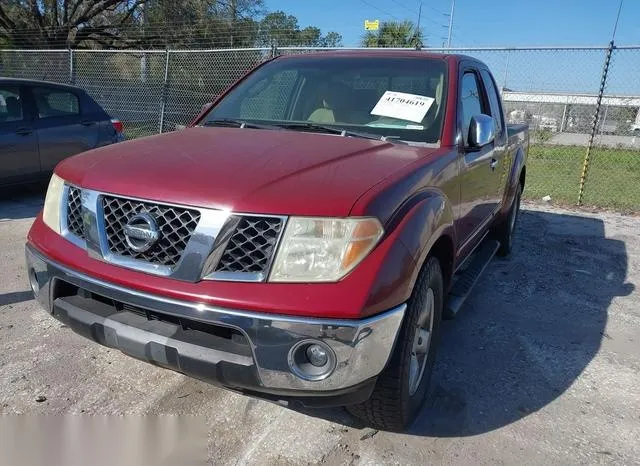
[[394, 34]]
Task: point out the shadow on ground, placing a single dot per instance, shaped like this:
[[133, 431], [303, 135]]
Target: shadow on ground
[[529, 329], [15, 297], [19, 202]]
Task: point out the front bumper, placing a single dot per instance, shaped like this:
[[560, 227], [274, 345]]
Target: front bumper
[[245, 351]]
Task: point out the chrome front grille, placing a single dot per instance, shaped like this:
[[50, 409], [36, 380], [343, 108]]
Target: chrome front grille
[[176, 225], [252, 246], [75, 224], [185, 244]]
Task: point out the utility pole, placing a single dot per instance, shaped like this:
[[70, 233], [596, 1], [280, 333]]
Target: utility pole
[[418, 24], [453, 6], [234, 17], [143, 58]]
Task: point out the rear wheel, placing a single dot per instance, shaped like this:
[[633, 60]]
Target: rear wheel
[[505, 230], [401, 388]]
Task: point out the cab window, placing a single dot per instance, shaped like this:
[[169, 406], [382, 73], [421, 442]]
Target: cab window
[[494, 101], [11, 108], [55, 102], [470, 101]]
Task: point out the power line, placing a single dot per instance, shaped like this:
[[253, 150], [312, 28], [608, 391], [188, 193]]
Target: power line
[[380, 10], [416, 11], [440, 12], [615, 27], [404, 6]]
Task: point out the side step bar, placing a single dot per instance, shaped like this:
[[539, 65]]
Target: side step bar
[[463, 282]]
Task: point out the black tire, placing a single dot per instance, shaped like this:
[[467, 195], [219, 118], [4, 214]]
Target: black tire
[[505, 230], [391, 406]]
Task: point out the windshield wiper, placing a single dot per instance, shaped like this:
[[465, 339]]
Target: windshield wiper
[[234, 123], [314, 127]]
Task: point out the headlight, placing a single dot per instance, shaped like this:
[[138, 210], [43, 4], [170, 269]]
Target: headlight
[[323, 249], [51, 211]]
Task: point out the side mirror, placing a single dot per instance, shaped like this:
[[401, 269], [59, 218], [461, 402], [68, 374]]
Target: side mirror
[[482, 131]]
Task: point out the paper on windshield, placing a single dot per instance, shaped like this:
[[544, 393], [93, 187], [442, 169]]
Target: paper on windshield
[[410, 107]]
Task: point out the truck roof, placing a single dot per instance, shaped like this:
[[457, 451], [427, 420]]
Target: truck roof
[[37, 82], [381, 53]]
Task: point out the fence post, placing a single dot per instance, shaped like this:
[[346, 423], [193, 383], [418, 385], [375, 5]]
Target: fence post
[[506, 70], [594, 123], [163, 102], [72, 68], [274, 50]]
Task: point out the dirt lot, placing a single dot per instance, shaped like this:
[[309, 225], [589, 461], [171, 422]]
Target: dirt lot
[[541, 367]]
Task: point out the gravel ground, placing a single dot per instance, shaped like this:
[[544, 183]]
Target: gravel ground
[[541, 366]]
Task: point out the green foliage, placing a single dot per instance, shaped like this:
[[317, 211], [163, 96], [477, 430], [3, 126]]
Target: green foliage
[[152, 24], [198, 24], [543, 135], [612, 180], [394, 34], [65, 23], [282, 30]]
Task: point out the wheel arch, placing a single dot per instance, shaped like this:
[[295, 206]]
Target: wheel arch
[[423, 225], [517, 176], [430, 232]]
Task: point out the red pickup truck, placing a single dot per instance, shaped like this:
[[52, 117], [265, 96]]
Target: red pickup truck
[[302, 239]]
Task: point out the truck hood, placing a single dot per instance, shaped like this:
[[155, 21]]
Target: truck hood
[[244, 170]]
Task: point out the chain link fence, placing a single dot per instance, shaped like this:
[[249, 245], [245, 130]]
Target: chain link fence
[[580, 152]]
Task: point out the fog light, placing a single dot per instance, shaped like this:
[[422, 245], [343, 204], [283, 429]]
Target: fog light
[[312, 360], [317, 355]]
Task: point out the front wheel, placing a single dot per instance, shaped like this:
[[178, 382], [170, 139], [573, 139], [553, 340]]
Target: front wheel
[[401, 388]]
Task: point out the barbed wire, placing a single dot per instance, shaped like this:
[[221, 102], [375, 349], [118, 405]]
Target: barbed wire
[[213, 34]]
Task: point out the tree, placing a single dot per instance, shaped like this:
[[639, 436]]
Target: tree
[[65, 23], [152, 24], [282, 30], [202, 23], [129, 23], [278, 28], [394, 34], [332, 39]]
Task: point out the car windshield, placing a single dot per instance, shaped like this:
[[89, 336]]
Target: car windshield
[[400, 99]]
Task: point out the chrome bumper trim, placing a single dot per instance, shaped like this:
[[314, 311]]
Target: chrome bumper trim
[[362, 347]]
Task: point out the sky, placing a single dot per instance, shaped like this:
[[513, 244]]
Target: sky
[[478, 23]]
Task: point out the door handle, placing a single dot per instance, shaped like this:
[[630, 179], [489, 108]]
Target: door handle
[[88, 123], [493, 164], [24, 131]]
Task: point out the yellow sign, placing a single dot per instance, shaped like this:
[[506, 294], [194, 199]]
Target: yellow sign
[[371, 25]]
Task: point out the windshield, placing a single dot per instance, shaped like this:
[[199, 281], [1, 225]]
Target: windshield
[[399, 98]]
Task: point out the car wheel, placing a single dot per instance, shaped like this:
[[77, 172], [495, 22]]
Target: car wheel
[[506, 229], [401, 388]]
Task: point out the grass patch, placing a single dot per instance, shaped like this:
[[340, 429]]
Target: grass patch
[[613, 179], [138, 129]]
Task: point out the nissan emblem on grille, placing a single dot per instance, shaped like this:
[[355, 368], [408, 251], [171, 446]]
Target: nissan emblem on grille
[[174, 224], [141, 232]]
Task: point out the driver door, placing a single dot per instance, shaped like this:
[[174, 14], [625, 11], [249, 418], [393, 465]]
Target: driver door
[[478, 167]]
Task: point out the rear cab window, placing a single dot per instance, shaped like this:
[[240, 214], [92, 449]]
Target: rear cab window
[[494, 101], [52, 102]]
